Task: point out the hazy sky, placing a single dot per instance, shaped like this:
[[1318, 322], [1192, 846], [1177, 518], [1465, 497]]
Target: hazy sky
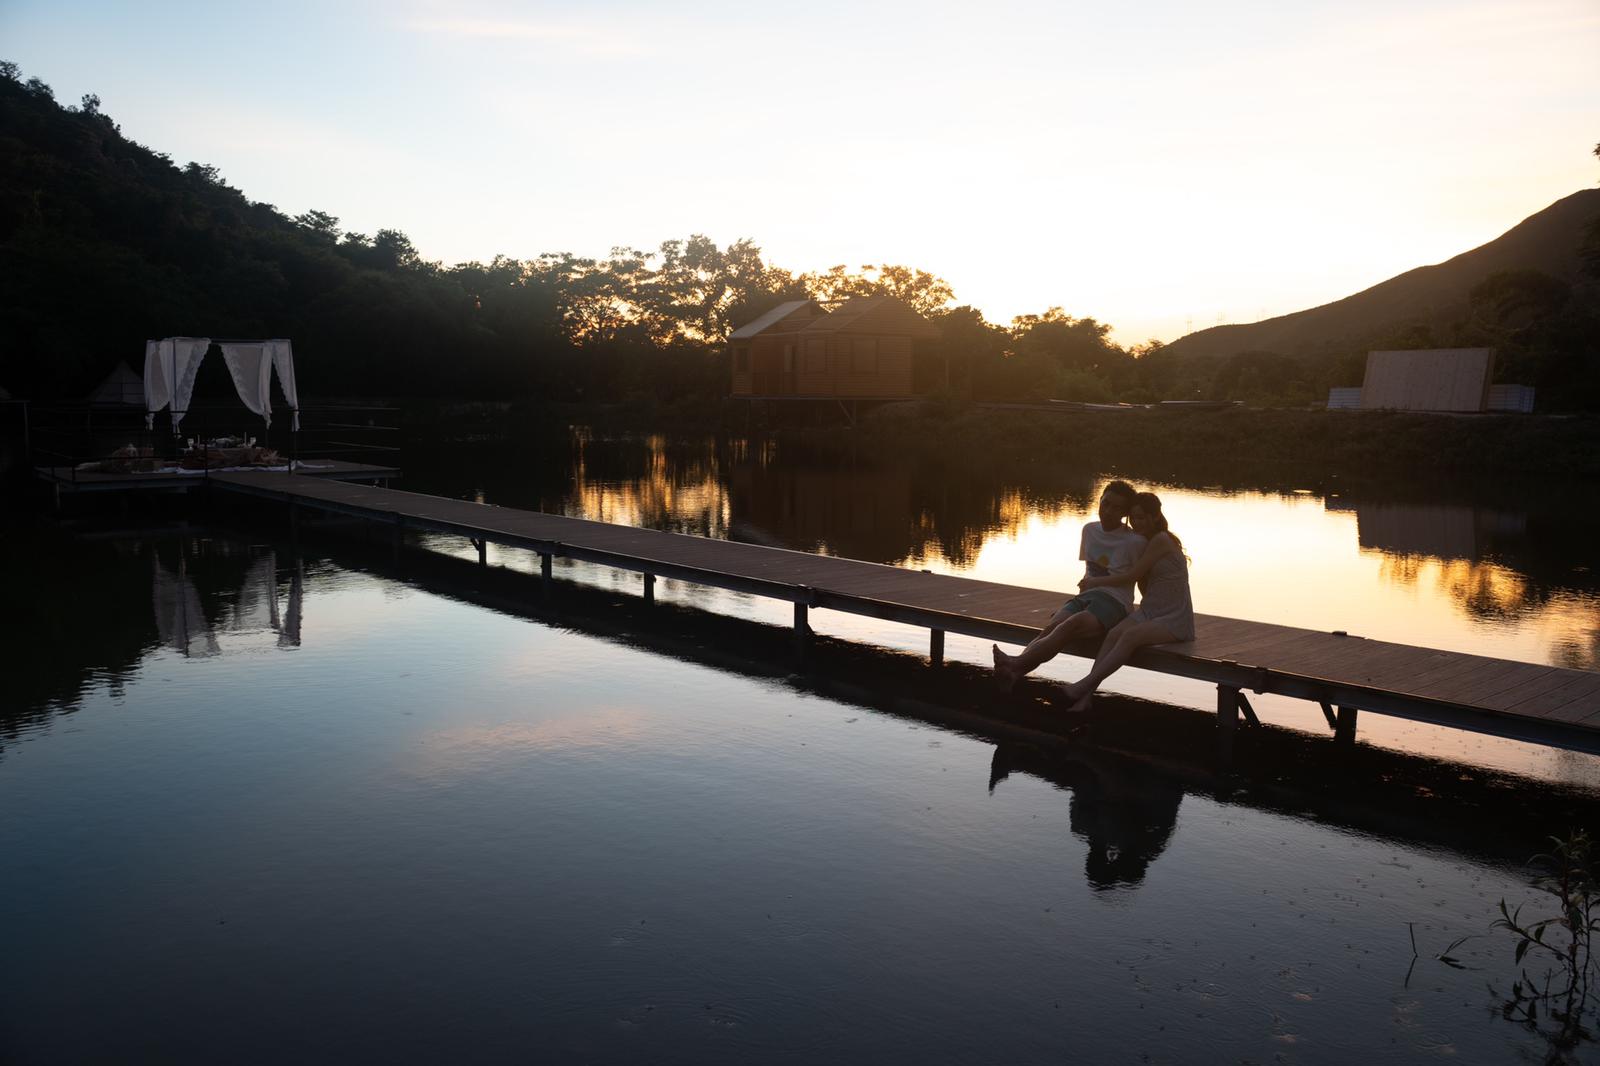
[[1169, 163]]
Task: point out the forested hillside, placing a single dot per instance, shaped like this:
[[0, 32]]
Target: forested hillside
[[1438, 296], [105, 242]]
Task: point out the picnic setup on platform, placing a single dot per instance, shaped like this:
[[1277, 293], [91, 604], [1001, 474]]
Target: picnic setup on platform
[[170, 368]]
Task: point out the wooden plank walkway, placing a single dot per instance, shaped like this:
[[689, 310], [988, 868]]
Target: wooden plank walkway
[[1542, 704]]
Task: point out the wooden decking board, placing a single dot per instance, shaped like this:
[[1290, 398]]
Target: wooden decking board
[[1536, 697], [1577, 710], [1481, 680], [1541, 704], [1455, 672], [1304, 662], [1577, 697], [1259, 635], [1268, 645], [1511, 683]]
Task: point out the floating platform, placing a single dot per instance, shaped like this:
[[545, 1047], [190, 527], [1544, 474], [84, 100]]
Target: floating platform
[[67, 479]]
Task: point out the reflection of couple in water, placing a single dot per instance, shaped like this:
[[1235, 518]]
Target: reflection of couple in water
[[1125, 812], [1129, 543]]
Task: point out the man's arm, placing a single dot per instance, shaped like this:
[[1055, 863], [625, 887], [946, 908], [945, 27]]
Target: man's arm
[[1159, 545]]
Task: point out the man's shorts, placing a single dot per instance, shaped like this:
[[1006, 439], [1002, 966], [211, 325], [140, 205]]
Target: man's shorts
[[1100, 603]]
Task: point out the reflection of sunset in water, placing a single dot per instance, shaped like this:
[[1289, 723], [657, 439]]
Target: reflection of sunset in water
[[460, 746], [1446, 576], [686, 498]]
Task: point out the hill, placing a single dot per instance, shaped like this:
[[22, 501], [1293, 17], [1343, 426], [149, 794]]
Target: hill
[[1430, 296]]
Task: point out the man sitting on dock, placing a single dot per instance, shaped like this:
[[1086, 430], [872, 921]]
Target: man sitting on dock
[[1107, 546]]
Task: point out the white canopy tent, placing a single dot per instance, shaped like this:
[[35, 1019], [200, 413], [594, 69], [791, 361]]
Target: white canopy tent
[[170, 367]]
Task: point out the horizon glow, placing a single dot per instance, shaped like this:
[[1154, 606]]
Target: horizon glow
[[1161, 169]]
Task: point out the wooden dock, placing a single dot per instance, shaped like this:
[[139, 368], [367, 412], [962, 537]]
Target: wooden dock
[[1342, 674]]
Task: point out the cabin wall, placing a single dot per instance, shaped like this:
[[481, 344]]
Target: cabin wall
[[743, 377], [844, 364], [868, 365]]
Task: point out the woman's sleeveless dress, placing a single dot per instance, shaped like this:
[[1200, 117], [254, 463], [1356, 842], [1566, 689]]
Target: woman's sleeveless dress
[[1166, 597]]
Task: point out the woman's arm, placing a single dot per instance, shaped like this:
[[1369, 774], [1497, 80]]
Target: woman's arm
[[1160, 544]]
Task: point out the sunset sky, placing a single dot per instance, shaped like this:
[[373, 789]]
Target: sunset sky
[[1164, 165]]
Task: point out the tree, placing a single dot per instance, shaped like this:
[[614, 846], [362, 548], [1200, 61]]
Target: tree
[[321, 224], [1510, 302], [393, 250], [969, 351], [923, 292]]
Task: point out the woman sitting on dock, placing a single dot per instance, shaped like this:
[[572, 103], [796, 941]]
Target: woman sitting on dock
[[1106, 546], [1164, 615]]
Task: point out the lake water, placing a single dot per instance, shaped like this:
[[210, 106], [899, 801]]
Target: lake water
[[1510, 574], [266, 802]]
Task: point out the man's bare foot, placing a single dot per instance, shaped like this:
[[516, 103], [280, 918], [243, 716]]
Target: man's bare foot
[[1082, 704]]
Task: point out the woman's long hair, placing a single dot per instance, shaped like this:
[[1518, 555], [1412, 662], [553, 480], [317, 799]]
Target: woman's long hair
[[1150, 504]]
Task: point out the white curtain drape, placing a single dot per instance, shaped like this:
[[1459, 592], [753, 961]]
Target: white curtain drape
[[186, 355], [170, 366], [157, 383], [251, 368], [283, 363], [252, 365]]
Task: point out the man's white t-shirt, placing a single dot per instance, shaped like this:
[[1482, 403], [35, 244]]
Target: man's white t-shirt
[[1112, 551]]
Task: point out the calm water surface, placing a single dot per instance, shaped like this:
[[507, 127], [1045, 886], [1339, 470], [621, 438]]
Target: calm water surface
[[257, 805], [1510, 574]]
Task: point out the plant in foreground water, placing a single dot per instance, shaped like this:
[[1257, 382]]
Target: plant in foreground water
[[1564, 941]]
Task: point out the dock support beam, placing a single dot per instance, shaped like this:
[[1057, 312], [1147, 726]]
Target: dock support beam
[[546, 578], [1227, 721], [482, 544], [650, 588], [1344, 730], [399, 538], [1248, 711], [802, 632], [936, 647]]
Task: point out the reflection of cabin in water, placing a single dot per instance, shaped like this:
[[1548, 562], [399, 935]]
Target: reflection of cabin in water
[[865, 348], [859, 513]]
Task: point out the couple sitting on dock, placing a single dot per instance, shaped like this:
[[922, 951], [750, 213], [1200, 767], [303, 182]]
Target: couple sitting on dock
[[1128, 544]]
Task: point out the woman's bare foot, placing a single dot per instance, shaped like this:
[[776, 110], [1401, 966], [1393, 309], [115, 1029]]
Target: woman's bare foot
[[1082, 704], [1005, 674]]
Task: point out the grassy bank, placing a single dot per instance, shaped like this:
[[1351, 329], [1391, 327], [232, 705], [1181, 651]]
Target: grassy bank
[[1300, 448]]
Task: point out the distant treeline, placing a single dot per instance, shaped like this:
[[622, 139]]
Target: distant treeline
[[104, 243]]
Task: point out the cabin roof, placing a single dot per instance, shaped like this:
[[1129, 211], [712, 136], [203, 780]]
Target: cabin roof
[[873, 314], [768, 320]]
